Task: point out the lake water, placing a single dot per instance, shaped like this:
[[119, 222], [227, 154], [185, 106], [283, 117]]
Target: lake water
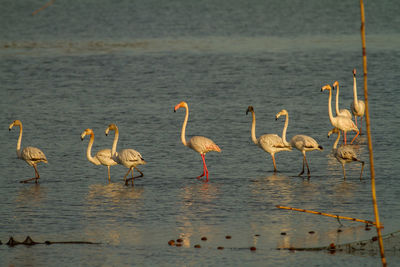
[[86, 64]]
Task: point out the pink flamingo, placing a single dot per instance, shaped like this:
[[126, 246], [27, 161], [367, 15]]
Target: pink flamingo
[[199, 144]]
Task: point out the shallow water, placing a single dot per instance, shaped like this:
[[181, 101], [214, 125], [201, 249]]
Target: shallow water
[[85, 65]]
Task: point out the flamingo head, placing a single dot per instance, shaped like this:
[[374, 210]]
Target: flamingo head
[[326, 87], [249, 109], [15, 123], [183, 104], [86, 132], [335, 84], [111, 127], [281, 113], [334, 130], [354, 72]]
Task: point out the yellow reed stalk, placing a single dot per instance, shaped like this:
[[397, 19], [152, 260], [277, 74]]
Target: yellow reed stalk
[[367, 121], [327, 214]]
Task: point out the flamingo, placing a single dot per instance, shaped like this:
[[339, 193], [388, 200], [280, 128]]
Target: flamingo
[[130, 158], [345, 153], [358, 106], [200, 144], [340, 112], [270, 143], [102, 157], [31, 155], [342, 123], [303, 143]]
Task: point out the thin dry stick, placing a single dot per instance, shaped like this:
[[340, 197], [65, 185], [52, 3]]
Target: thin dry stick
[[367, 121], [43, 7], [327, 214]]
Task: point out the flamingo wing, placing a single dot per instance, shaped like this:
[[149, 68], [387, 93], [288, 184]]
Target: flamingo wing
[[203, 144], [271, 140], [130, 157], [33, 155]]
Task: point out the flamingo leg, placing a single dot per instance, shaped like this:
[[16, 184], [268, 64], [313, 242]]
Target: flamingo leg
[[360, 124], [345, 137], [355, 137], [301, 173], [273, 161], [134, 177], [37, 176], [308, 168], [344, 171], [109, 176], [205, 170], [126, 182]]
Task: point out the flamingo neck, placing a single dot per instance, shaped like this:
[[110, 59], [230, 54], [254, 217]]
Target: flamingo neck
[[284, 130], [253, 129], [114, 146], [331, 118], [355, 91], [19, 142], [89, 151], [183, 133], [337, 101], [336, 141]]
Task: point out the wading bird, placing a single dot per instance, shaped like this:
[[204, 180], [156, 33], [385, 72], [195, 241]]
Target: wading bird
[[342, 123], [130, 158], [303, 143], [358, 106], [270, 143], [345, 153], [200, 144], [102, 157], [31, 155]]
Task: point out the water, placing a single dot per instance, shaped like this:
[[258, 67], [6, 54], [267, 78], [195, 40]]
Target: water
[[84, 65]]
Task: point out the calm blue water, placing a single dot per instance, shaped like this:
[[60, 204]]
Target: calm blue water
[[85, 65]]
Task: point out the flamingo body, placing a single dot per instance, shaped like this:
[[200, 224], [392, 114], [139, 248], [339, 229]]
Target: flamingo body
[[200, 144], [102, 157], [31, 155]]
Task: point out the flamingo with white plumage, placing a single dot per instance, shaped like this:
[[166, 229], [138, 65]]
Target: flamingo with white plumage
[[357, 106], [200, 144], [31, 155]]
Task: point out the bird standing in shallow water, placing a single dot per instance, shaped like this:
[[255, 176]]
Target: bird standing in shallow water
[[303, 143], [31, 155], [200, 144], [102, 157], [345, 153], [342, 123], [357, 106], [270, 143], [129, 158]]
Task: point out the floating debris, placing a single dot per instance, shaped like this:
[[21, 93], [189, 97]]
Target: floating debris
[[253, 248], [311, 232], [204, 238], [178, 244], [228, 237], [171, 242], [283, 233], [220, 248], [256, 235], [179, 240], [197, 246], [29, 242], [339, 230]]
